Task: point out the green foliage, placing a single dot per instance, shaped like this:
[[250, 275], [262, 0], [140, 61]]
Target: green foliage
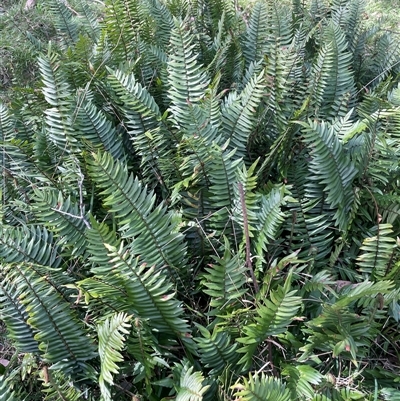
[[200, 202]]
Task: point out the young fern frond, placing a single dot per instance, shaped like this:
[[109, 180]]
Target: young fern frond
[[111, 335], [190, 385], [262, 387]]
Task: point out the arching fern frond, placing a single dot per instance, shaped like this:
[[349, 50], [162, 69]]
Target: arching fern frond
[[154, 230], [62, 338], [225, 280], [29, 244]]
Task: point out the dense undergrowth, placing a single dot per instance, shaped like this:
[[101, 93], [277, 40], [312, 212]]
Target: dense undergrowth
[[200, 201]]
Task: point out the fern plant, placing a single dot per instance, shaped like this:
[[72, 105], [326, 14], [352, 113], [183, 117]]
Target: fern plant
[[203, 205]]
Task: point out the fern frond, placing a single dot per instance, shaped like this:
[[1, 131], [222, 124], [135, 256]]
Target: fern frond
[[29, 244], [255, 39], [300, 380], [331, 166], [63, 217], [14, 314], [225, 280], [332, 87], [273, 317], [64, 20], [58, 386], [186, 78], [111, 333], [239, 114], [57, 93], [190, 385], [377, 252], [153, 229], [262, 387], [62, 339], [216, 350], [96, 128]]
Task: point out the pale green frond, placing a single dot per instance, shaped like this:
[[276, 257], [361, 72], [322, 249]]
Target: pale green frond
[[112, 335], [190, 386], [262, 387]]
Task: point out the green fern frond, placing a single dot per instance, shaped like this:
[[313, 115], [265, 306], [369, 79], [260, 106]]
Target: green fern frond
[[273, 317], [216, 350], [62, 338], [155, 234], [331, 166], [269, 219], [96, 128], [112, 335], [32, 244], [190, 385], [239, 113], [225, 280], [262, 387], [64, 218], [377, 252], [300, 380], [64, 20], [14, 314], [57, 386], [57, 93], [332, 87], [6, 124], [186, 78], [255, 39], [6, 393], [145, 125]]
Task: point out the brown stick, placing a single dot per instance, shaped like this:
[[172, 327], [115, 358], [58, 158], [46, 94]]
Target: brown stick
[[247, 237]]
